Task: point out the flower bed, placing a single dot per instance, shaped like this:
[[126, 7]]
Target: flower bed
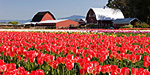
[[62, 53]]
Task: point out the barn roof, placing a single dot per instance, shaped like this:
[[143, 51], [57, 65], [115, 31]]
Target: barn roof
[[83, 19], [38, 17], [124, 21], [31, 23], [53, 21], [107, 13]]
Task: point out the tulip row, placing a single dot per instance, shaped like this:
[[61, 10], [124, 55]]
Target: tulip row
[[69, 53], [10, 69]]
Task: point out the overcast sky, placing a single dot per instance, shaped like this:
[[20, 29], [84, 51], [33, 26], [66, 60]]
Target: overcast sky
[[26, 9]]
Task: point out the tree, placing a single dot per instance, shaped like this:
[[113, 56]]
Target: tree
[[13, 22], [132, 8]]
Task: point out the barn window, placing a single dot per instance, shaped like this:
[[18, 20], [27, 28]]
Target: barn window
[[94, 15], [89, 15]]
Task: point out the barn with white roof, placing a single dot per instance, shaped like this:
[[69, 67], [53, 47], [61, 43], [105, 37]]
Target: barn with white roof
[[103, 16]]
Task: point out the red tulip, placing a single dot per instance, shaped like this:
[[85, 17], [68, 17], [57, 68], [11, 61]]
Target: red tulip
[[134, 71], [98, 69], [132, 58], [114, 67], [54, 64], [59, 60], [32, 59], [11, 66], [69, 65], [3, 68], [125, 71], [83, 71], [40, 60], [114, 73], [104, 69], [102, 59], [146, 63], [146, 58], [69, 56], [21, 70], [90, 69], [138, 57]]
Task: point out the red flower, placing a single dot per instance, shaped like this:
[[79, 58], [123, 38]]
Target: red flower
[[75, 59], [104, 69], [69, 65], [37, 72], [90, 69], [98, 69], [138, 57], [134, 71], [125, 71], [11, 66], [146, 63], [114, 73], [32, 59], [102, 59], [114, 67], [54, 64], [132, 58], [21, 70], [146, 58], [83, 71], [3, 68], [69, 56], [40, 60], [59, 60]]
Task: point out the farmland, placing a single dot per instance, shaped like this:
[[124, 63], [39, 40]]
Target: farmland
[[90, 52]]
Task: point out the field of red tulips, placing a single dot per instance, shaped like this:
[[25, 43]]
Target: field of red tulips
[[62, 53]]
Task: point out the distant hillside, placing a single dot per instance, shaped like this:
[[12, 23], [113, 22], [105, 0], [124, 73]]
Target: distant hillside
[[20, 21], [74, 17]]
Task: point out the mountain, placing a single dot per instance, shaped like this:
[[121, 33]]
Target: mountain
[[73, 17], [20, 21]]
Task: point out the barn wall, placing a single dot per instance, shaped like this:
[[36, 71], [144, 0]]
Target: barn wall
[[105, 23], [66, 24], [91, 17], [47, 16]]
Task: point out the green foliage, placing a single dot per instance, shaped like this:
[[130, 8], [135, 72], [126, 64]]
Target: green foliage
[[127, 26], [92, 26], [13, 22], [141, 25]]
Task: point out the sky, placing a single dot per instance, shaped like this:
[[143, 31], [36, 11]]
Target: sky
[[26, 9]]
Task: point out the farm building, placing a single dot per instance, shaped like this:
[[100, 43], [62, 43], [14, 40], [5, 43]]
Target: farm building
[[43, 16], [82, 21], [103, 16], [47, 20], [122, 22], [57, 24]]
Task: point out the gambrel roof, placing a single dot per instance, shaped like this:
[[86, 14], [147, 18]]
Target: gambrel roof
[[107, 13]]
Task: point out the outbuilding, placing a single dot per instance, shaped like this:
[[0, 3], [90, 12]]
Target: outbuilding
[[58, 24], [103, 16], [122, 22]]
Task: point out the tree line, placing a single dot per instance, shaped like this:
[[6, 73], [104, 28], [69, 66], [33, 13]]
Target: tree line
[[132, 8]]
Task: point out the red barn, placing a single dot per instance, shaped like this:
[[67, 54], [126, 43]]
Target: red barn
[[57, 24], [47, 20], [43, 16], [103, 16]]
